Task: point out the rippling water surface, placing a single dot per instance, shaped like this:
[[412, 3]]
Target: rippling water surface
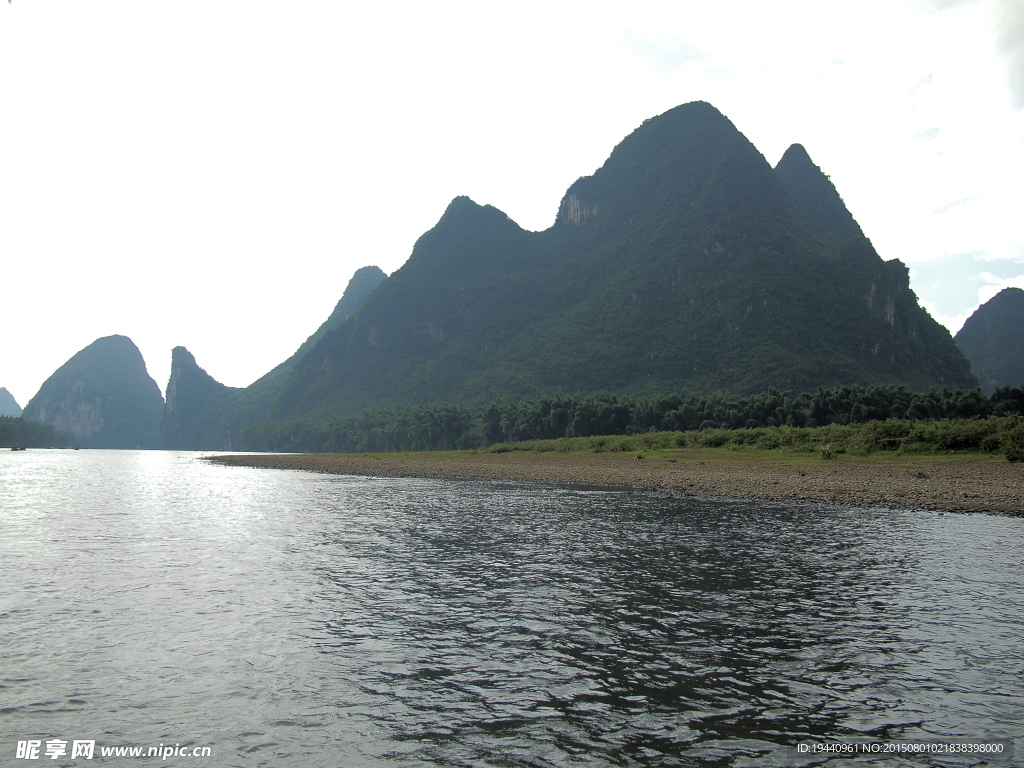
[[293, 619]]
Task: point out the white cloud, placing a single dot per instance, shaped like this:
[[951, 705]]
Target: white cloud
[[993, 285], [953, 323], [1007, 20], [665, 55], [947, 206]]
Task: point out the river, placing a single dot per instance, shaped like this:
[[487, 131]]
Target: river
[[293, 619]]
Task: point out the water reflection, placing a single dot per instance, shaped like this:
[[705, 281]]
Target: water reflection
[[293, 619]]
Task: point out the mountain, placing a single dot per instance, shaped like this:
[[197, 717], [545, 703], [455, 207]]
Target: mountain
[[103, 395], [685, 262], [195, 405], [203, 414], [816, 201], [8, 405], [993, 340], [252, 405]]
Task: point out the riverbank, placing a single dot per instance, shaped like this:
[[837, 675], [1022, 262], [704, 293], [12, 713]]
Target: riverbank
[[947, 482]]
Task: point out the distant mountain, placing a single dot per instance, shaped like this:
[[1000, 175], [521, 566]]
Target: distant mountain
[[203, 414], [685, 262], [195, 406], [8, 405], [103, 395], [993, 340]]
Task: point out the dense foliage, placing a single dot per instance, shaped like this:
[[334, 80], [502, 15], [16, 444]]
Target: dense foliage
[[1004, 434], [442, 427], [993, 340], [818, 205], [685, 261], [32, 434], [606, 414], [417, 428]]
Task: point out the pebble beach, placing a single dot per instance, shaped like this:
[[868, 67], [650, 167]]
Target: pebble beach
[[943, 483]]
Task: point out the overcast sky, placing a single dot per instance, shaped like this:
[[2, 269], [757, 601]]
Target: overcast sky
[[211, 173]]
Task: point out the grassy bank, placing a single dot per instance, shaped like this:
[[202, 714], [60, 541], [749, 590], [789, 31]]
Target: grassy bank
[[994, 436], [939, 480]]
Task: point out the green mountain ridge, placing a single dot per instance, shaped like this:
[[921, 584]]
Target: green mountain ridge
[[203, 414], [685, 262], [103, 395], [993, 340]]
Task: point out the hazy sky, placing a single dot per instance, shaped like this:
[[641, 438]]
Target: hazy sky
[[211, 174]]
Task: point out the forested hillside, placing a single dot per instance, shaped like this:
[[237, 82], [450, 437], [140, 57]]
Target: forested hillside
[[685, 262]]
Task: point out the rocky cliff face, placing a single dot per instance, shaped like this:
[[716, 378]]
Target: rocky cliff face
[[103, 395], [195, 404], [79, 411]]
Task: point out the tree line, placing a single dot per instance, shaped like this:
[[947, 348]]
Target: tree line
[[605, 414], [16, 430], [451, 427], [415, 428]]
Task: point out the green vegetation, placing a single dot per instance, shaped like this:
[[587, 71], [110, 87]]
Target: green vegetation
[[818, 205], [996, 434], [202, 413], [855, 420], [993, 340], [418, 428], [32, 434], [103, 396], [685, 261], [605, 414]]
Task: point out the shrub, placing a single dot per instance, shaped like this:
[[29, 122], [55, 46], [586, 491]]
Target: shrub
[[1012, 443], [1013, 450], [714, 438]]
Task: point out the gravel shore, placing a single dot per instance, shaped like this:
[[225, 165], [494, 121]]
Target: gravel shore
[[973, 483]]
